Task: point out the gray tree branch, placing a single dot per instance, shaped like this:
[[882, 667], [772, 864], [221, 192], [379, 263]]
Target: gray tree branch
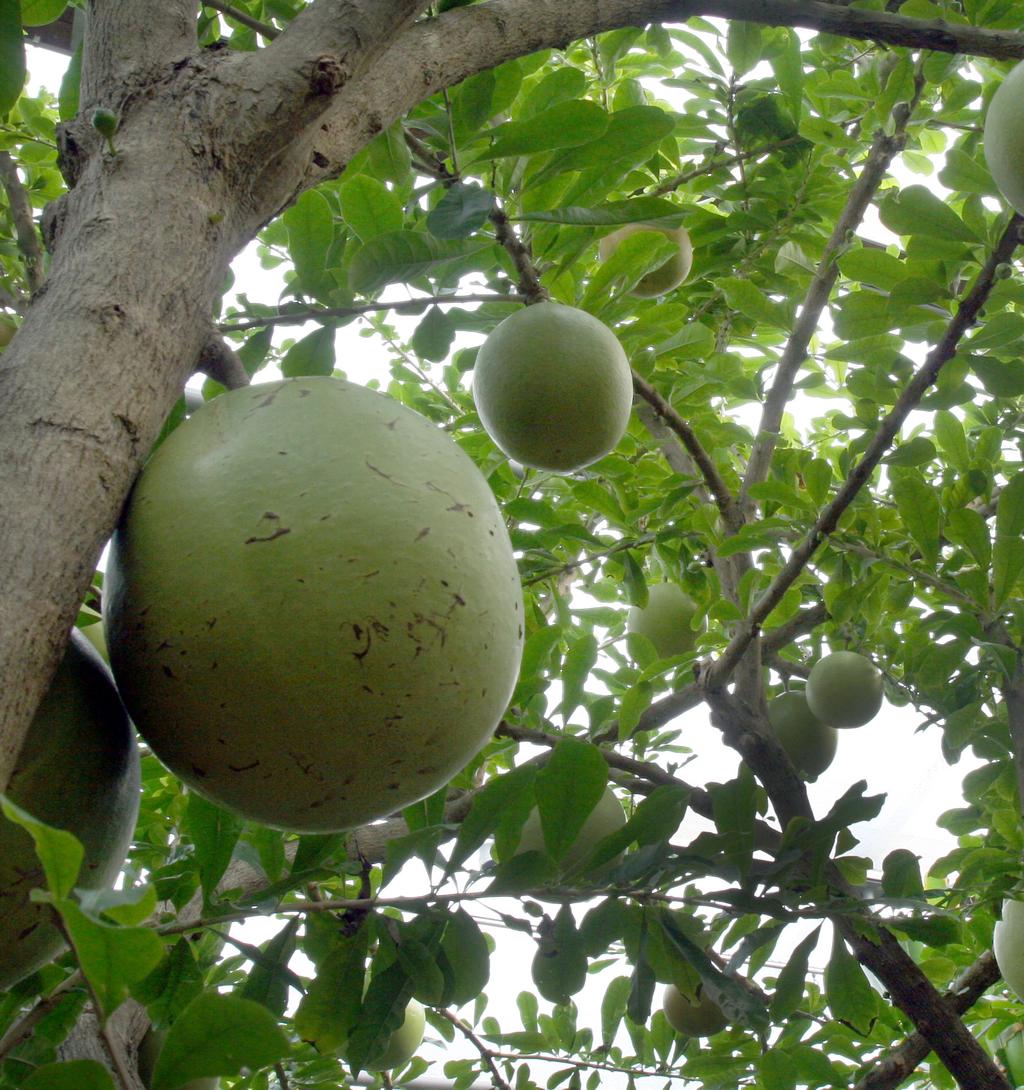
[[29, 241]]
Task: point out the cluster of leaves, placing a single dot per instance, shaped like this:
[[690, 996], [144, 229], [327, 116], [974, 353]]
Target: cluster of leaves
[[752, 138]]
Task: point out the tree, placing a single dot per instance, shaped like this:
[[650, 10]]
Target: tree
[[378, 142]]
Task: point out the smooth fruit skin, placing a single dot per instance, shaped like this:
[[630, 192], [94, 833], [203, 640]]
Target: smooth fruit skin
[[78, 769], [844, 689], [665, 620], [1004, 138], [312, 605], [606, 818], [665, 277], [553, 387], [809, 743], [402, 1044], [149, 1049], [1008, 945], [692, 1016]]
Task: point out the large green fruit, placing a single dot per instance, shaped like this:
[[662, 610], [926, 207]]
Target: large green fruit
[[78, 769], [553, 387], [606, 818], [665, 277], [1004, 138], [149, 1049], [809, 743], [665, 620], [402, 1044], [312, 605], [693, 1016], [1008, 945], [844, 690]]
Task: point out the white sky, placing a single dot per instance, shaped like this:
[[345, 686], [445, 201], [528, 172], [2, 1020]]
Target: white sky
[[907, 767]]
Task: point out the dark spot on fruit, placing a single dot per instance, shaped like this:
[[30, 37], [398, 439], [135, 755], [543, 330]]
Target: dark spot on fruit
[[28, 931], [168, 672], [279, 532], [244, 768], [164, 646], [304, 392], [199, 771], [423, 533], [394, 786], [270, 515], [392, 424]]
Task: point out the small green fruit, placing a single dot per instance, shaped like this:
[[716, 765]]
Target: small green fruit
[[666, 620], [665, 277], [312, 605], [844, 690], [553, 387], [149, 1049], [693, 1016], [809, 743], [402, 1044], [78, 769], [606, 818], [7, 331], [1004, 138], [1008, 945], [105, 122]]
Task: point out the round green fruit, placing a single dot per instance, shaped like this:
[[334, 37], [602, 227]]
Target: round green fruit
[[844, 690], [693, 1016], [553, 387], [78, 770], [149, 1049], [606, 818], [312, 605], [809, 743], [1004, 138], [665, 277], [1008, 945], [402, 1044], [665, 620]]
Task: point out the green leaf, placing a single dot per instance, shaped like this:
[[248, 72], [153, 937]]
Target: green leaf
[[999, 377], [12, 55], [125, 906], [112, 958], [789, 987], [951, 438], [560, 964], [432, 339], [313, 355], [743, 45], [60, 852], [1008, 554], [41, 12], [172, 985], [568, 788], [630, 135], [967, 527], [70, 1075], [270, 978], [382, 1013], [218, 1035], [750, 301], [489, 804], [467, 958], [310, 225], [966, 174], [656, 819], [915, 452], [404, 255], [462, 211], [653, 211], [214, 833], [564, 125], [789, 72], [579, 661], [916, 210], [850, 997], [67, 98], [330, 1008], [901, 874], [613, 1008], [919, 510], [368, 207]]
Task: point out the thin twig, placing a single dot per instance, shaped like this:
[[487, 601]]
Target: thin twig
[[282, 1078], [500, 1082], [243, 18], [711, 166], [529, 280], [595, 1065], [399, 306], [29, 241], [967, 313]]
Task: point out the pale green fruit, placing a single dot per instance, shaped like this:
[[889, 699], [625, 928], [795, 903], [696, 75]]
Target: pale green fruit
[[149, 1049], [1008, 945], [553, 387], [78, 769], [7, 331], [665, 277], [402, 1044], [844, 690], [312, 605], [809, 743], [665, 620], [693, 1016], [606, 818], [1004, 138]]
